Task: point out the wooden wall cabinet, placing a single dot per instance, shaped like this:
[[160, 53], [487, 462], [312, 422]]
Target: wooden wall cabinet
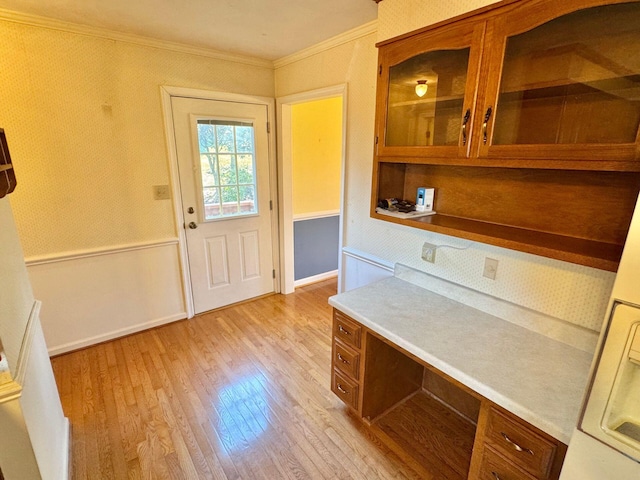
[[528, 130]]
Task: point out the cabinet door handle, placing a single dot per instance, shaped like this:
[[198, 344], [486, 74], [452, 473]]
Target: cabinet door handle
[[495, 476], [339, 387], [343, 360], [487, 116], [466, 118], [515, 445], [344, 330]]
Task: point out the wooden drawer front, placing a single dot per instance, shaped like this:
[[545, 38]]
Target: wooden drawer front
[[346, 389], [519, 444], [346, 360], [496, 467], [347, 330]]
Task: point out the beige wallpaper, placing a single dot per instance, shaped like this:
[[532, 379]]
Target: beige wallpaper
[[83, 119], [84, 123], [570, 292], [396, 17]]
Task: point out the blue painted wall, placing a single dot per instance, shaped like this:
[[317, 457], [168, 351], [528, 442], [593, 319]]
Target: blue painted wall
[[315, 243]]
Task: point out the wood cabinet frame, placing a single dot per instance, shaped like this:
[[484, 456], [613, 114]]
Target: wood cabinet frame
[[568, 202], [440, 427]]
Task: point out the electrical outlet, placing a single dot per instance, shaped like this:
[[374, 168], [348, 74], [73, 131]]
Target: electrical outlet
[[429, 252], [490, 268], [161, 192]]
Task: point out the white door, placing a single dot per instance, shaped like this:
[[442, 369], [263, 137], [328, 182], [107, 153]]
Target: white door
[[223, 163]]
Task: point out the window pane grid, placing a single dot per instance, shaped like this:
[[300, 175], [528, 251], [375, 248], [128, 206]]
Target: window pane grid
[[227, 168]]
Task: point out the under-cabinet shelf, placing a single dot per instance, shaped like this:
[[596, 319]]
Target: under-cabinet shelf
[[602, 255], [580, 216]]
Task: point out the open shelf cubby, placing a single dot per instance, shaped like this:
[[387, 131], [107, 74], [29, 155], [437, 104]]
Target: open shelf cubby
[[418, 412], [576, 216]]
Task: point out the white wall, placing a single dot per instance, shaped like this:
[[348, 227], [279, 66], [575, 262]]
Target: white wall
[[562, 290], [16, 296], [34, 433]]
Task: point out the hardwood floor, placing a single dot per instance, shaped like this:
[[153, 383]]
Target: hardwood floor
[[239, 393]]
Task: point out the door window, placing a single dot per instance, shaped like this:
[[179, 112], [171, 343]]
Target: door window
[[227, 168]]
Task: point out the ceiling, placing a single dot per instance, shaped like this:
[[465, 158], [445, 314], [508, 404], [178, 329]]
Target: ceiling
[[268, 29]]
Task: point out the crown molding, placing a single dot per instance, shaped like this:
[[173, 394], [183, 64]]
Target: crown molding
[[52, 24], [348, 36]]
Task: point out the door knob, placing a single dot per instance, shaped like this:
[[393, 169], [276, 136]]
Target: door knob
[[192, 225]]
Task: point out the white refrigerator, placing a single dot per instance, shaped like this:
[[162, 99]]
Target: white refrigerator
[[606, 444]]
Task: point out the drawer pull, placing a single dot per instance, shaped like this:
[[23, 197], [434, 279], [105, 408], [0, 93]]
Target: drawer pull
[[495, 476], [343, 360], [515, 445], [339, 387], [344, 330]]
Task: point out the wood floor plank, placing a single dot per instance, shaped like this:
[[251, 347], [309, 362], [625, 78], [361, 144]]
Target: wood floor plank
[[238, 393]]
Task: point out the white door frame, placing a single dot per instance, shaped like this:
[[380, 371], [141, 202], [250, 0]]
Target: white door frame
[[166, 93], [285, 177]]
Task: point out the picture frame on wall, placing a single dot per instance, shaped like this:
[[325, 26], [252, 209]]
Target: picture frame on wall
[[7, 174]]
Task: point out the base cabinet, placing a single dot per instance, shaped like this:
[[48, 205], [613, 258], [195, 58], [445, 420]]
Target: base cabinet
[[444, 429]]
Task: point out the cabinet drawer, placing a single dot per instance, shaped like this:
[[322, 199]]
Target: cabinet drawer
[[520, 444], [496, 467], [346, 329], [346, 360], [346, 389]]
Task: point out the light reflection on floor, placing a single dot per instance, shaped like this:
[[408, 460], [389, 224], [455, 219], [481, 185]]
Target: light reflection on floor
[[243, 408]]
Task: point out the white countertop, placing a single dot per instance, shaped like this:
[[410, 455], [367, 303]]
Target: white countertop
[[539, 379]]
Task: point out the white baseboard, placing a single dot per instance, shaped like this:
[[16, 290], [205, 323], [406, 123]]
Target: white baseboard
[[315, 278], [86, 342]]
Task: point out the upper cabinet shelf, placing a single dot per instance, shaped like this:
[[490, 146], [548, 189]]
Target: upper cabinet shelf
[[524, 116], [531, 80]]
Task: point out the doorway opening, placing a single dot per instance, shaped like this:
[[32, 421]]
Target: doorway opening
[[311, 145]]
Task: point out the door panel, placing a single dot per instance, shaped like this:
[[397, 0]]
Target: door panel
[[223, 163], [218, 263]]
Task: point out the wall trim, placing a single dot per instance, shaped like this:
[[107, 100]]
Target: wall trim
[[348, 36], [314, 215], [27, 342], [67, 447], [315, 278], [368, 258], [86, 342], [95, 252], [78, 29], [10, 391]]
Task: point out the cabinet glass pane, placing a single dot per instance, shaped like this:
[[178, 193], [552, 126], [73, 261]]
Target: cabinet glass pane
[[573, 80], [435, 118]]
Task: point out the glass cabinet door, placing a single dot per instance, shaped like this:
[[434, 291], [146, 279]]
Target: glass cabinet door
[[568, 88], [425, 93]]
